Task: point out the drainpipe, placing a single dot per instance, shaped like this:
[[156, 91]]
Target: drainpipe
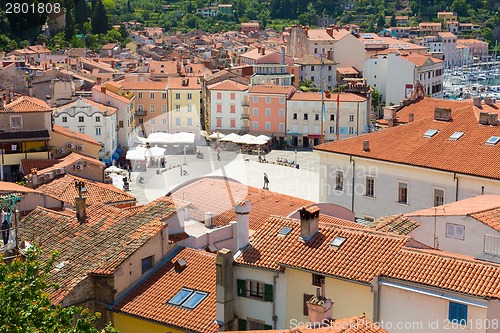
[[357, 120], [275, 317], [353, 180], [456, 185]]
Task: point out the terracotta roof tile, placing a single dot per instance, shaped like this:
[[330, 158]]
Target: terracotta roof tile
[[332, 97], [327, 219], [7, 187], [364, 254], [405, 144], [75, 135], [176, 83], [108, 237], [150, 299], [69, 160], [272, 89], [219, 196], [27, 104], [144, 85], [228, 85], [447, 271], [64, 189], [424, 108], [399, 224], [99, 106], [29, 164]]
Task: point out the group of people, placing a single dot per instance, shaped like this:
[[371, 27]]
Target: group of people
[[262, 159], [284, 161]]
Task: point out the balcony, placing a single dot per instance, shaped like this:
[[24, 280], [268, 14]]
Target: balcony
[[245, 116], [140, 113], [245, 129], [245, 102]]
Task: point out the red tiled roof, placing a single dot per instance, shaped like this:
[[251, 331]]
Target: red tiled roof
[[75, 135], [340, 222], [176, 83], [364, 254], [228, 85], [144, 85], [271, 89], [100, 245], [405, 144], [424, 108], [398, 224], [69, 160], [447, 271], [64, 189], [99, 106], [149, 299], [332, 97], [27, 104], [29, 164], [8, 187], [219, 196]]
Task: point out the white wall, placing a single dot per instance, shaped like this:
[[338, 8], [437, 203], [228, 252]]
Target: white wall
[[421, 184], [226, 114], [471, 245], [423, 312], [247, 307], [350, 52]]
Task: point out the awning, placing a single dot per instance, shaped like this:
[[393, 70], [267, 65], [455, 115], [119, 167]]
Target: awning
[[24, 136], [314, 136]]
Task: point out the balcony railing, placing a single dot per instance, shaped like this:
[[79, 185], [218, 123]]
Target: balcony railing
[[245, 102], [140, 113], [245, 129], [245, 116]]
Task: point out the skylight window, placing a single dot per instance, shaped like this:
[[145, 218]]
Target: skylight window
[[430, 133], [285, 231], [455, 136], [337, 242], [493, 140], [188, 298]]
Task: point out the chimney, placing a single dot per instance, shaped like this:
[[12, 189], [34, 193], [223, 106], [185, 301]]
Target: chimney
[[487, 100], [308, 222], [283, 62], [366, 145], [484, 118], [180, 265], [329, 31], [48, 100], [80, 205], [493, 119], [224, 307], [319, 311], [242, 209], [259, 49], [263, 50], [329, 54], [1, 104], [443, 114], [208, 219], [99, 80], [476, 101], [103, 90], [411, 117]]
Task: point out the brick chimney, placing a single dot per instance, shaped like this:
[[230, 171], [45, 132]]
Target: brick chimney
[[484, 118], [366, 145], [329, 31], [242, 209], [103, 89], [224, 298], [319, 311], [263, 50], [81, 214], [476, 101], [443, 114], [493, 119], [411, 117], [309, 218]]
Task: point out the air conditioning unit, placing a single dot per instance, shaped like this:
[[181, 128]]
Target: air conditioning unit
[[78, 167], [60, 171], [79, 147], [70, 145], [48, 175], [60, 151]]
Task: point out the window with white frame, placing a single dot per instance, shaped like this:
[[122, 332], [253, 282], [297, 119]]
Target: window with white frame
[[177, 95], [81, 130], [190, 121], [189, 96], [332, 129], [97, 119], [255, 125], [282, 126], [351, 117], [456, 231], [370, 187], [316, 116], [153, 122], [282, 113], [190, 108], [16, 121], [97, 131], [152, 95], [177, 121], [332, 117], [268, 126], [339, 181], [268, 99], [255, 111], [403, 192], [177, 108], [255, 99], [81, 119], [438, 197], [139, 95], [152, 108], [164, 121], [64, 119], [163, 95], [268, 112], [282, 100], [164, 108]]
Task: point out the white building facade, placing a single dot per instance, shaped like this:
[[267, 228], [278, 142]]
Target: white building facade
[[99, 121], [227, 99]]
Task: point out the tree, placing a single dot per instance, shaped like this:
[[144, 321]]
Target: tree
[[69, 27], [460, 7], [25, 304], [99, 19], [82, 13], [393, 20]]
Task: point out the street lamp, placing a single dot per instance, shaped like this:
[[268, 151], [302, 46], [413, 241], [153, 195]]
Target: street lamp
[[295, 163], [185, 162]]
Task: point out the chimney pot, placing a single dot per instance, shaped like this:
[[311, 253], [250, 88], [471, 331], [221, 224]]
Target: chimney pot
[[242, 209], [411, 117], [484, 118], [103, 90], [309, 218], [208, 219], [487, 100], [493, 119], [366, 145], [476, 101], [224, 298], [319, 311], [81, 214]]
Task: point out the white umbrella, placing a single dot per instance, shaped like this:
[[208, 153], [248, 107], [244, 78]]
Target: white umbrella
[[155, 152], [246, 139], [159, 137], [114, 169], [230, 137], [136, 154], [216, 135], [182, 138], [264, 137]]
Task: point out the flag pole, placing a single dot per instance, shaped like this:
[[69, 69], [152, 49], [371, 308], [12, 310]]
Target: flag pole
[[337, 115]]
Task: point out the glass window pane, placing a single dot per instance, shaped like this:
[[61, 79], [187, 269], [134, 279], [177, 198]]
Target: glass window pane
[[194, 300], [181, 296]]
